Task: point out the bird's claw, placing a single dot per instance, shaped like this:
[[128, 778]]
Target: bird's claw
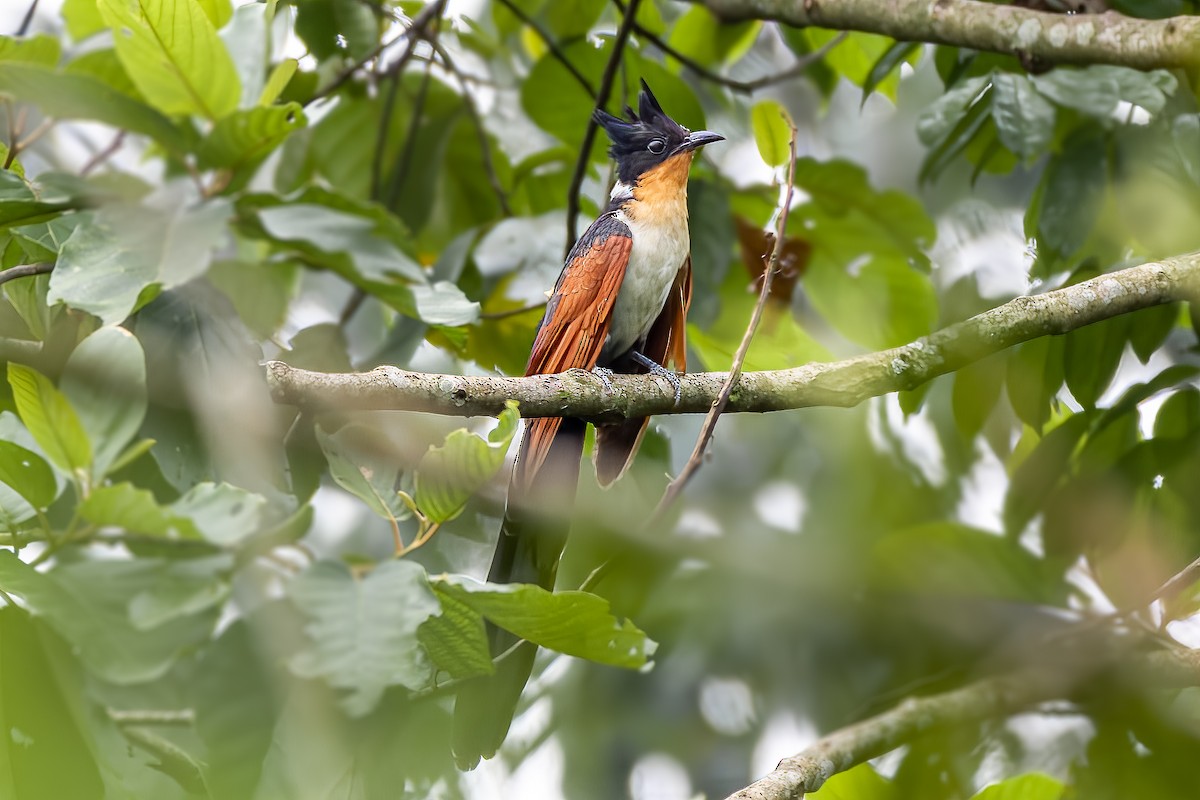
[[604, 373], [659, 371]]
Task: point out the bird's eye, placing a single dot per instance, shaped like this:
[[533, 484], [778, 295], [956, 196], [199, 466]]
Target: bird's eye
[[656, 146]]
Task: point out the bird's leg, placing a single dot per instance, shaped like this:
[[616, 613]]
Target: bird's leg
[[659, 371]]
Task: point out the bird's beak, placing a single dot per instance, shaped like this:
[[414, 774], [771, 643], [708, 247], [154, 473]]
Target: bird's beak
[[697, 139]]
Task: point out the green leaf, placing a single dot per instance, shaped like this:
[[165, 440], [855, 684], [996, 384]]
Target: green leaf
[[1095, 90], [49, 417], [708, 40], [360, 465], [363, 633], [68, 96], [1024, 119], [110, 261], [223, 514], [880, 303], [448, 475], [949, 560], [456, 640], [772, 132], [859, 783], [1150, 327], [1091, 356], [183, 588], [27, 474], [135, 510], [1179, 415], [1033, 378], [1038, 475], [976, 390], [897, 54], [245, 137], [576, 623], [173, 54], [37, 49], [20, 206], [104, 66], [217, 11], [87, 604], [83, 18], [277, 81], [1070, 196], [1034, 786], [105, 380]]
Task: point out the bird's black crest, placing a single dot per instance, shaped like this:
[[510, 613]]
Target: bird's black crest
[[635, 140]]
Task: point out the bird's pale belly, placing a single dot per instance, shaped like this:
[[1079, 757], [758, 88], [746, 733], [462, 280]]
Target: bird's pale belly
[[658, 252]]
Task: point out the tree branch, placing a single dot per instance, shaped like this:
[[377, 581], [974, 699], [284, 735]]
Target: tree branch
[[24, 271], [839, 383], [986, 699], [1108, 38]]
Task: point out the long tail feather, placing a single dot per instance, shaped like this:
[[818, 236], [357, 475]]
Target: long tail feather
[[532, 536]]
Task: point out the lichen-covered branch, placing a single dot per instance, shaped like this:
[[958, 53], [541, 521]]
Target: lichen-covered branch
[[1108, 38], [991, 698], [839, 383]]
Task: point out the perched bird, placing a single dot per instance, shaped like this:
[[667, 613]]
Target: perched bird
[[619, 306]]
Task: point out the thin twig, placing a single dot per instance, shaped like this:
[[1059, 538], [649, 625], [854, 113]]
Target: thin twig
[[551, 45], [25, 270], [735, 369], [485, 148], [104, 154], [1178, 582], [514, 312], [589, 136], [744, 87], [25, 23]]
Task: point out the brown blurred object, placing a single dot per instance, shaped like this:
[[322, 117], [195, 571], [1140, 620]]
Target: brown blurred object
[[756, 244]]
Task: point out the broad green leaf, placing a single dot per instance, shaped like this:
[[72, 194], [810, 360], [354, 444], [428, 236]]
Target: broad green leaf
[[1150, 327], [1034, 786], [772, 132], [217, 11], [223, 514], [245, 137], [68, 96], [105, 381], [184, 587], [1069, 198], [1033, 378], [104, 66], [261, 292], [456, 640], [174, 56], [448, 475], [277, 81], [1041, 472], [1024, 119], [855, 57], [570, 19], [338, 232], [708, 40], [362, 464], [949, 560], [19, 205], [860, 783], [49, 417], [1095, 90], [1091, 356], [87, 604], [337, 28], [36, 49], [119, 260], [135, 510], [363, 632], [881, 303], [576, 623], [940, 118], [26, 473], [899, 53], [1179, 415], [977, 388], [83, 18]]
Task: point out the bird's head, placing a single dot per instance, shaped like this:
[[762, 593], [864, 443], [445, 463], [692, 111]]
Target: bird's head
[[648, 138]]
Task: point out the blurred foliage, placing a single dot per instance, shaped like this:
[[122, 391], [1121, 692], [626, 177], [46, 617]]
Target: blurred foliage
[[205, 595]]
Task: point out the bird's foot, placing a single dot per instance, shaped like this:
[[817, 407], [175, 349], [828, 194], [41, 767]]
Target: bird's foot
[[604, 374], [659, 371]]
